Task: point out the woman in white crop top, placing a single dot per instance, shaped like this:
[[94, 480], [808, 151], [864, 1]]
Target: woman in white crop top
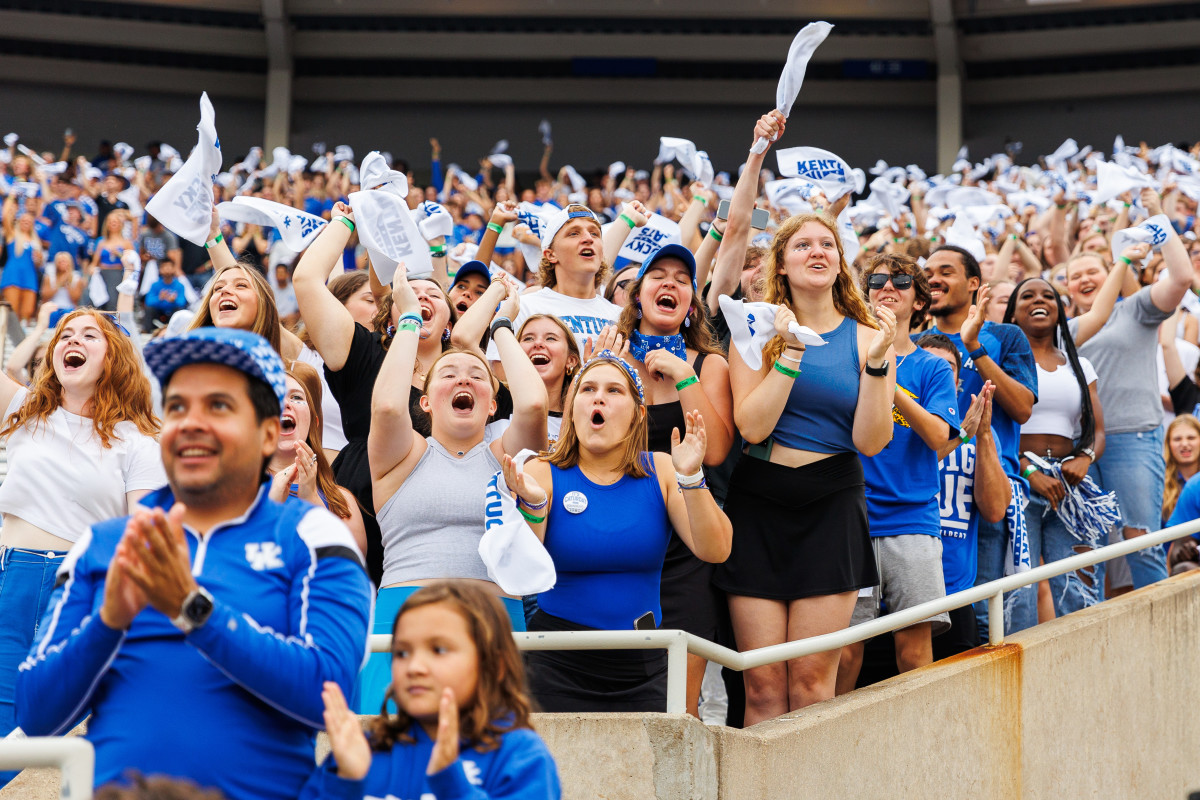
[[1067, 426], [81, 449]]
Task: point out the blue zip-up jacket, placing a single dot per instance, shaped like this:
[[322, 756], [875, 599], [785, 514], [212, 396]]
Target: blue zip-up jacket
[[234, 704], [521, 768]]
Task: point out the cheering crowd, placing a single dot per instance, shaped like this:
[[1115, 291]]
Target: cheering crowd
[[248, 427]]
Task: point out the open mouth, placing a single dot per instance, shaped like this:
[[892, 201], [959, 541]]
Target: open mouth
[[426, 312], [1039, 313], [73, 359], [539, 359], [227, 305], [196, 451], [597, 418], [667, 303], [461, 307], [287, 424], [463, 401], [587, 252]]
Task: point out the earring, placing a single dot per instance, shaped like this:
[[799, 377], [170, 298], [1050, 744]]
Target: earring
[[638, 303], [687, 321], [446, 335]]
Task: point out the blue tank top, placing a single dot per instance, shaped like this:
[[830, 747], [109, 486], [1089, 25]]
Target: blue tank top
[[109, 259], [20, 270], [819, 415], [609, 555]]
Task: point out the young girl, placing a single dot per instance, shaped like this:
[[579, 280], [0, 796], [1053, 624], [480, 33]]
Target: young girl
[[457, 681], [1182, 456]]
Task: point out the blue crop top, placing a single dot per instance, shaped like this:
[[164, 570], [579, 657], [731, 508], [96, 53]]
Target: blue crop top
[[608, 557], [819, 415]]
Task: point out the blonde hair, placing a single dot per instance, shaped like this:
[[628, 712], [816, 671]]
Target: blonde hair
[[1173, 486], [266, 320], [847, 298], [566, 450]]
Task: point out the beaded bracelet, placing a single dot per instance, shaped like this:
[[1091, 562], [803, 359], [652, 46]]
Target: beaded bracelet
[[686, 382], [533, 506], [492, 226], [791, 373], [703, 484]]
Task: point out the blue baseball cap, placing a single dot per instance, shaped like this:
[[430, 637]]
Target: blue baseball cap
[[674, 251], [242, 350], [477, 267]]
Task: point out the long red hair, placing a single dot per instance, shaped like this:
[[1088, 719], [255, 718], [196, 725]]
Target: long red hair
[[122, 394]]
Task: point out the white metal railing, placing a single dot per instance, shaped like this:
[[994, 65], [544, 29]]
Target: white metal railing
[[72, 754], [679, 643]]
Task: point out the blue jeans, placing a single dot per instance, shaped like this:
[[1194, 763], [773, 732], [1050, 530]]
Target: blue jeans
[[1020, 606], [1133, 467], [1050, 539], [26, 583]]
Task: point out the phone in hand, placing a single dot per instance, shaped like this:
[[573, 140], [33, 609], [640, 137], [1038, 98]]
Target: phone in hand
[[758, 220], [723, 210]]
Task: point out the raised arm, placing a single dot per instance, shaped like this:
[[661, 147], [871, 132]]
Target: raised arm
[[474, 322], [633, 216], [392, 440], [1014, 397], [19, 358], [530, 404], [732, 253], [992, 490], [705, 254], [502, 214], [330, 326], [689, 223], [693, 512], [1168, 294], [873, 426]]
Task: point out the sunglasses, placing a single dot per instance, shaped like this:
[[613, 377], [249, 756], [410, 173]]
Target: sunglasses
[[624, 283], [878, 280]]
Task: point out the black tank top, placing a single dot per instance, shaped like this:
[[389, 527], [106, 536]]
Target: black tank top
[[662, 418]]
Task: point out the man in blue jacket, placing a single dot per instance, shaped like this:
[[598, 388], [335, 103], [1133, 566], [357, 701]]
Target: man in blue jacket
[[199, 631]]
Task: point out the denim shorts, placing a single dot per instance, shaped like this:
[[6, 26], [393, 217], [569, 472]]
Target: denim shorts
[[26, 582]]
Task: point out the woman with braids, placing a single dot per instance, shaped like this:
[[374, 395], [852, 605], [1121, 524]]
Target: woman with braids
[[86, 423], [682, 370], [353, 354], [299, 464], [797, 498], [1067, 427]]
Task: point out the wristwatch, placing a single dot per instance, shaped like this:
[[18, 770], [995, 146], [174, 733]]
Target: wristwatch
[[196, 609], [877, 372]]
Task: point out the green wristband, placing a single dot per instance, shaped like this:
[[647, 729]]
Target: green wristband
[[492, 226], [628, 221], [964, 436], [686, 382], [530, 517], [791, 373], [437, 252], [714, 233], [408, 325], [215, 241], [346, 221], [1025, 473], [701, 199], [1128, 263]]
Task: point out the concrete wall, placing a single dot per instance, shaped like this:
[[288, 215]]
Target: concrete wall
[[1099, 704]]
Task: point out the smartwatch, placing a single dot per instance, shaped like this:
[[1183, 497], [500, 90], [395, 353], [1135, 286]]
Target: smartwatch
[[196, 609]]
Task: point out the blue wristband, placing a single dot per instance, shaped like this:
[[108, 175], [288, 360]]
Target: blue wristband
[[977, 353]]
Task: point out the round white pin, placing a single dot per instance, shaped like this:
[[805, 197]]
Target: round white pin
[[575, 502]]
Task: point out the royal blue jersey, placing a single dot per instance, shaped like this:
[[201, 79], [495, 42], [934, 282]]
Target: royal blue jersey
[[236, 703]]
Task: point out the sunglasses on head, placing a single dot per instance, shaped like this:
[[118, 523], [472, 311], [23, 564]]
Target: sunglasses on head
[[878, 280]]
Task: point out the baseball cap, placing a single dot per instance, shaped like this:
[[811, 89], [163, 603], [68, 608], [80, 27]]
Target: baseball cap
[[470, 267], [555, 222], [244, 351], [675, 251]]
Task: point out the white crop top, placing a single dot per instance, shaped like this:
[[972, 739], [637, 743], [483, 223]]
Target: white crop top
[[61, 479], [1059, 404]]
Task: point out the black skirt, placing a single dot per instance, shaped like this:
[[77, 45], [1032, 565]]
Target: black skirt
[[579, 681], [689, 600], [797, 531]]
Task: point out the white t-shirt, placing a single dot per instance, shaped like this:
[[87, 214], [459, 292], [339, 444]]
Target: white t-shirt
[[332, 437], [1059, 404], [585, 318], [61, 479]]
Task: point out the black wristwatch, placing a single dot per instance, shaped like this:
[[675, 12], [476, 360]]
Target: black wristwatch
[[501, 322], [196, 609], [877, 372]]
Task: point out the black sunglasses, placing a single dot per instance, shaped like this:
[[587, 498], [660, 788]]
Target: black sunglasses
[[878, 280]]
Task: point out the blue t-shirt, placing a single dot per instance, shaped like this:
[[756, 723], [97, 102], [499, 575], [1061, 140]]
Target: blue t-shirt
[[166, 298], [902, 480], [69, 239], [1187, 508], [1008, 347], [960, 519]]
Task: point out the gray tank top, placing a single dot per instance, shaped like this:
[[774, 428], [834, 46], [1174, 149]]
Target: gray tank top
[[432, 525]]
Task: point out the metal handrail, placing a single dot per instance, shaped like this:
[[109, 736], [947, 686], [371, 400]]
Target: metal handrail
[[679, 643], [74, 755]]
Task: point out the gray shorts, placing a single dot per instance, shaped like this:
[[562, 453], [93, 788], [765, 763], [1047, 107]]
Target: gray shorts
[[910, 573]]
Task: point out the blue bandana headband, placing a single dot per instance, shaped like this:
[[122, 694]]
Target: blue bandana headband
[[640, 345], [613, 358]]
